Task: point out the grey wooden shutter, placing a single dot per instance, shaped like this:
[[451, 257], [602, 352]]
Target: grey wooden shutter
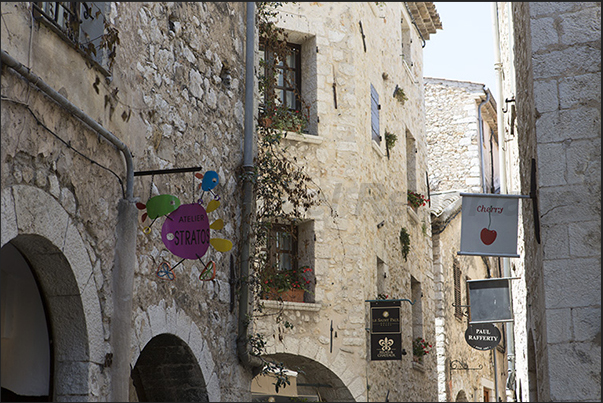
[[457, 289], [375, 115]]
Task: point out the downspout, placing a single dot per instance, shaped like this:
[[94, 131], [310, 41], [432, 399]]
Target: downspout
[[509, 326], [125, 249], [481, 139], [248, 360], [423, 43]]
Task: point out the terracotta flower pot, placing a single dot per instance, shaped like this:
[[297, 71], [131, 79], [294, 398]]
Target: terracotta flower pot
[[292, 295]]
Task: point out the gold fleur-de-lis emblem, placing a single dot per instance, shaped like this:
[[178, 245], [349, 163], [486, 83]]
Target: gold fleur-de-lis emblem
[[386, 344]]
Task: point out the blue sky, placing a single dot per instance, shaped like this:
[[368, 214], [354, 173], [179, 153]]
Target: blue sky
[[464, 48]]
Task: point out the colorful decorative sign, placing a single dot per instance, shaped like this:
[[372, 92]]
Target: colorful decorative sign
[[209, 180], [482, 336], [489, 225], [157, 206], [186, 230]]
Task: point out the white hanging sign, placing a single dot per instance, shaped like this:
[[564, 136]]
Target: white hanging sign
[[489, 224]]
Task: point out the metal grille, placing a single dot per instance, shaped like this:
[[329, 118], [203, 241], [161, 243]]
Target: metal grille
[[82, 24]]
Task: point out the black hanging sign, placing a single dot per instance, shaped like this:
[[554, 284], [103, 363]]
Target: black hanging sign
[[385, 316], [386, 337], [482, 336], [386, 346]]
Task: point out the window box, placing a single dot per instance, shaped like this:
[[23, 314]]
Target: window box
[[292, 295]]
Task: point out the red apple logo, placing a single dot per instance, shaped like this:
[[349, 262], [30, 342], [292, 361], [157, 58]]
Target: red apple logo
[[487, 236]]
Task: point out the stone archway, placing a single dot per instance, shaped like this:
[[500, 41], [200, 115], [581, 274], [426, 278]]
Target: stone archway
[[461, 397], [68, 327], [61, 266], [167, 371], [314, 378]]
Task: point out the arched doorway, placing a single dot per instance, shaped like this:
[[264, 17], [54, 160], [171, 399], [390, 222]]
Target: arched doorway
[[70, 352], [461, 397], [60, 264], [26, 353], [314, 381], [167, 371]]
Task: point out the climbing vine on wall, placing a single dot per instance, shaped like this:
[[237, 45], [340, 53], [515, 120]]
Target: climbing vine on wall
[[283, 191]]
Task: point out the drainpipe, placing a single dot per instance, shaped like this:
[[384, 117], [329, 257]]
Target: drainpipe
[[248, 360], [125, 248], [481, 138], [509, 326]]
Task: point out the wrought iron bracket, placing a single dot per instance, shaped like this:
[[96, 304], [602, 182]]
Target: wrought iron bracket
[[466, 312], [167, 171], [401, 299], [462, 366]]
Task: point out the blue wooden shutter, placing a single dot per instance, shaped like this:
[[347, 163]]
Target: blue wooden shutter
[[375, 115]]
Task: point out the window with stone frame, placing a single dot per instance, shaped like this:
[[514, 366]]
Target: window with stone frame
[[406, 41], [411, 162], [291, 246], [417, 307], [286, 89], [282, 246], [83, 26]]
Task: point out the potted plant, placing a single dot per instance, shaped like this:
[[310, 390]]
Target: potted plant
[[400, 95], [286, 285], [416, 200], [390, 141], [287, 119], [405, 242], [420, 347]]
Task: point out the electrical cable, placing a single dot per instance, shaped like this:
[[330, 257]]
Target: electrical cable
[[67, 144]]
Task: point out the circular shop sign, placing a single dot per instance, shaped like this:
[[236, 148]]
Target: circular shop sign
[[482, 336], [185, 232]]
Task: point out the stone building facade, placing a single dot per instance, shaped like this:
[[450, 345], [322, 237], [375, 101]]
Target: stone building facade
[[463, 151], [76, 128], [351, 52], [550, 73], [462, 154]]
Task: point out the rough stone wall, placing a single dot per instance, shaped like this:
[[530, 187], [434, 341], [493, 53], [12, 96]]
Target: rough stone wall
[[189, 117], [364, 188], [168, 102], [451, 109], [557, 72], [513, 133]]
